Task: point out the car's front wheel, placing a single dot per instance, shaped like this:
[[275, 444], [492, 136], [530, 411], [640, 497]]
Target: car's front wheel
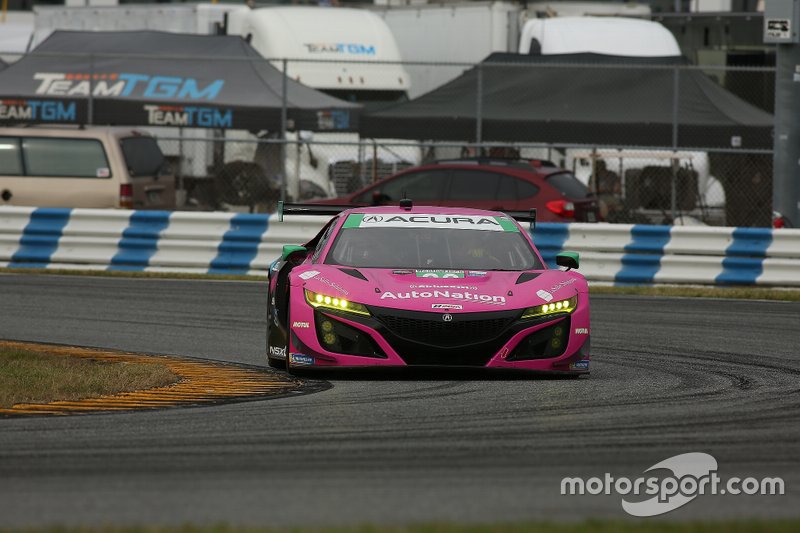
[[272, 361]]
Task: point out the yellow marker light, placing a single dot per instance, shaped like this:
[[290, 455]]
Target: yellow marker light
[[317, 300], [327, 326], [560, 307], [329, 338]]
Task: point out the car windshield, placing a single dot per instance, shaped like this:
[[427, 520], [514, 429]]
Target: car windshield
[[416, 242], [569, 185]]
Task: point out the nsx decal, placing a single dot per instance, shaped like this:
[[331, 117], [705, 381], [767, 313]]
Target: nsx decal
[[276, 351], [488, 223]]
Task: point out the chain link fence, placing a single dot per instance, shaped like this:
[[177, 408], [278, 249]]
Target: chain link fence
[[239, 172], [656, 142], [685, 145]]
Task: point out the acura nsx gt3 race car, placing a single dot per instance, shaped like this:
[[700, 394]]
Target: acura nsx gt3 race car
[[402, 286]]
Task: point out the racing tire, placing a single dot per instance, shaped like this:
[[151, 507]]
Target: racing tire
[[280, 364]]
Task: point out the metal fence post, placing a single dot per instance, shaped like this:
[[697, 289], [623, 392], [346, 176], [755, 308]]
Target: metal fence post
[[479, 107], [675, 103], [284, 120], [90, 104]]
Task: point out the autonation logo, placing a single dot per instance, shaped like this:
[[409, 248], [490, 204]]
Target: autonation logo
[[693, 474]]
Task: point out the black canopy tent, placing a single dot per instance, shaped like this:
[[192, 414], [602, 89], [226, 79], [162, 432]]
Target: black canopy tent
[[161, 79], [586, 99]]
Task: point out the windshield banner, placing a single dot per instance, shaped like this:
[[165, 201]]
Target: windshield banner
[[484, 223]]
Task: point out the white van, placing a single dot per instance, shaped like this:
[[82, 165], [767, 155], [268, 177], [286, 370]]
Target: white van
[[77, 167], [617, 36]]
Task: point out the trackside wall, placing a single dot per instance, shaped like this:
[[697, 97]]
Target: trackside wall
[[227, 243]]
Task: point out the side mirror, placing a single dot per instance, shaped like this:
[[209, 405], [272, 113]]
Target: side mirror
[[289, 249], [378, 198], [568, 259]]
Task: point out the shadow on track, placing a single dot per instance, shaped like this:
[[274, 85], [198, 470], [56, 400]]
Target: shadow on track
[[432, 373]]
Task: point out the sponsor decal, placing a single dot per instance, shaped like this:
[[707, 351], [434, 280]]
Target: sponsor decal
[[672, 483], [333, 120], [44, 110], [103, 172], [466, 296], [579, 365], [300, 359], [581, 331], [304, 325], [277, 351], [497, 223], [563, 284], [476, 273], [336, 286], [179, 115], [544, 295], [402, 272], [125, 84], [440, 273], [309, 274], [450, 287], [341, 48], [447, 306]]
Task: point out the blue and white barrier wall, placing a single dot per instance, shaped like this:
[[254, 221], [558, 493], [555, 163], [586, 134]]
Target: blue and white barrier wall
[[246, 244], [642, 254], [101, 239]]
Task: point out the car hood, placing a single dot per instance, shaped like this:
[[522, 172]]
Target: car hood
[[440, 290]]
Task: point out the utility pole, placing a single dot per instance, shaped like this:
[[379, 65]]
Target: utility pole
[[781, 21]]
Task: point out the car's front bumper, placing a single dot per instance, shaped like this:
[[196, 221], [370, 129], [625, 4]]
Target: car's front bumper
[[393, 337]]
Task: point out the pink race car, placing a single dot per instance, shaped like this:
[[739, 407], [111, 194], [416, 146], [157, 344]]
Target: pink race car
[[433, 286]]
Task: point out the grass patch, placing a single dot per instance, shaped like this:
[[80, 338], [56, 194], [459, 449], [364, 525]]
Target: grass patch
[[591, 526], [39, 377], [745, 293]]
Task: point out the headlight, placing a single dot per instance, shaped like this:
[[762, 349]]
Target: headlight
[[334, 302], [552, 308]]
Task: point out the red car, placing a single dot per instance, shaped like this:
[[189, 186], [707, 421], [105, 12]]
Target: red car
[[492, 184]]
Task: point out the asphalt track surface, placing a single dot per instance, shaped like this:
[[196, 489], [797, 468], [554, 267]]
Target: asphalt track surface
[[669, 376]]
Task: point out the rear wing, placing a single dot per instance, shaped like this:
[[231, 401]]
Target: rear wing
[[309, 209], [524, 216], [285, 209]]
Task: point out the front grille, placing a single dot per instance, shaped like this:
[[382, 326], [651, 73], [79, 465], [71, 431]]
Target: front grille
[[464, 329]]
